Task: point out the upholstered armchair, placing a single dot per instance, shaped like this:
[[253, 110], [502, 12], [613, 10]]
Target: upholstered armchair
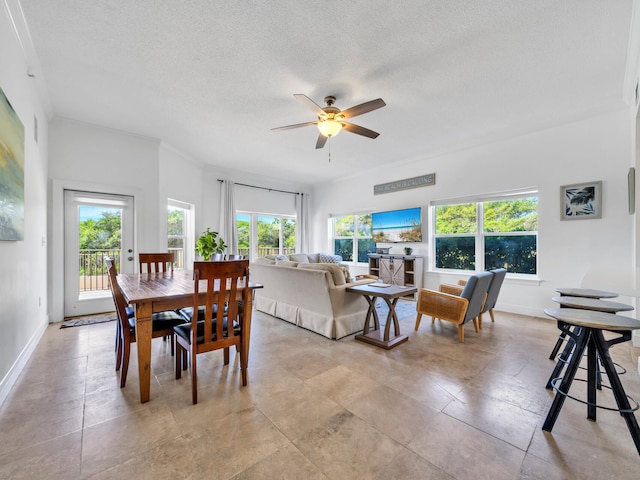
[[492, 294], [458, 309]]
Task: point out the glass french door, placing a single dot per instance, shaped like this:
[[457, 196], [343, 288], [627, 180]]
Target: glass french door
[[96, 225]]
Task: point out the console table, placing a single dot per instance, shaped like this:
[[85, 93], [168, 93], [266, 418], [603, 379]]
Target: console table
[[396, 269]]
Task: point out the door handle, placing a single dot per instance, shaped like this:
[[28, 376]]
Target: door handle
[[130, 258], [130, 250]]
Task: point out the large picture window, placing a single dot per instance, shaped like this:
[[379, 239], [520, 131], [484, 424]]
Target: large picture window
[[263, 234], [352, 237], [497, 232]]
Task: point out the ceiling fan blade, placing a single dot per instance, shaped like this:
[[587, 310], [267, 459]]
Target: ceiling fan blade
[[350, 127], [363, 108], [321, 141], [309, 103], [297, 125]]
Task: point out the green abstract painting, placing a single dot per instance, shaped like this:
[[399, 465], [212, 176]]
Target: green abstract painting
[[11, 172]]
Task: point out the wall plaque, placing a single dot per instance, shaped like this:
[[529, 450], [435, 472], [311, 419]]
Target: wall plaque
[[406, 184]]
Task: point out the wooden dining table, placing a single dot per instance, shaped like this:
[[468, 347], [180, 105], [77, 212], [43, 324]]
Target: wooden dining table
[[158, 292]]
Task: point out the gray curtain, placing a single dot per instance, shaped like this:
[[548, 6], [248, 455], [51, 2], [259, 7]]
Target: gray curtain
[[228, 230], [302, 223]]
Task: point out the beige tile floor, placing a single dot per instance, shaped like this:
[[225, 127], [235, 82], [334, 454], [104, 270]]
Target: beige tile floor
[[314, 409]]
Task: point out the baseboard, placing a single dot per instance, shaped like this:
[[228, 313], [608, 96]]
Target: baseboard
[[9, 380]]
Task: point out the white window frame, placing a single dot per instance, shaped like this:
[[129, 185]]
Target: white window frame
[[253, 228], [356, 236], [480, 234], [189, 230]]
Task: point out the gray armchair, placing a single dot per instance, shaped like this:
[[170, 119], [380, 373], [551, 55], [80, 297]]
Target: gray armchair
[[458, 309]]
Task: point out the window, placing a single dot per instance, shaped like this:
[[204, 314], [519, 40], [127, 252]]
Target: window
[[180, 232], [352, 237], [262, 234], [491, 233]]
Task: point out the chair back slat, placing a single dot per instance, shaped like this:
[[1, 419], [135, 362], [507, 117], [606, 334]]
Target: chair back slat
[[156, 262]]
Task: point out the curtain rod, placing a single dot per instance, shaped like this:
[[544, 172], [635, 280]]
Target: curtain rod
[[263, 188]]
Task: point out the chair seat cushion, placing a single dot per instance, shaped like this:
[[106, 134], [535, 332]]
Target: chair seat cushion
[[187, 312], [184, 330], [160, 321]]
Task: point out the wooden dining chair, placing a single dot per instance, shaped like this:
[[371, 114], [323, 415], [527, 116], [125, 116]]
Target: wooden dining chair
[[217, 257], [221, 282], [232, 256], [156, 262], [162, 324]]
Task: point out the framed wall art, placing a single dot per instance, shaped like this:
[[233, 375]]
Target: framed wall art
[[11, 172], [581, 201]]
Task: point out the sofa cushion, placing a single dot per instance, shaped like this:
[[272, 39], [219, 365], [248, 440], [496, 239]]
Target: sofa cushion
[[282, 257], [286, 263], [265, 261], [313, 257], [328, 258], [336, 272], [299, 257]]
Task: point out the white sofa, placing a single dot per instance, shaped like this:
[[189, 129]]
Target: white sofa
[[310, 295]]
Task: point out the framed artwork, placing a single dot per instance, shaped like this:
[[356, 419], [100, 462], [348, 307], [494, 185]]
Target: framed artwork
[[581, 201], [11, 172]]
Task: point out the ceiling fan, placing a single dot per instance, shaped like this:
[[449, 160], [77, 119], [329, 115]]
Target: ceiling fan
[[331, 120]]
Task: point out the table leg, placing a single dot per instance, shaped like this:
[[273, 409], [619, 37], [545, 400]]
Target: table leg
[[618, 391], [391, 315], [246, 339], [143, 339], [371, 313], [592, 380], [581, 340]]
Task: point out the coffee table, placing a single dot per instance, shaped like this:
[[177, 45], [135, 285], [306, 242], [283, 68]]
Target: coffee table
[[390, 294]]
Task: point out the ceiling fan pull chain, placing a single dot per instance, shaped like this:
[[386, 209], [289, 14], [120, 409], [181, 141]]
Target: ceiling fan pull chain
[[329, 149]]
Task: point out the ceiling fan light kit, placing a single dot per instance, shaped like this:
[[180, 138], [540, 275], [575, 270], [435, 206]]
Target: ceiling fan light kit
[[329, 128], [331, 119]]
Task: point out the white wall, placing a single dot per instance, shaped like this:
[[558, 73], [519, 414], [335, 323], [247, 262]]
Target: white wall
[[600, 148], [23, 283], [92, 158]]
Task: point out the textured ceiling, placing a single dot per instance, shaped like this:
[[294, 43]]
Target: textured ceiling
[[211, 78]]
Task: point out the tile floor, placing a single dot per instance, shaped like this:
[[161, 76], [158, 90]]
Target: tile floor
[[314, 409]]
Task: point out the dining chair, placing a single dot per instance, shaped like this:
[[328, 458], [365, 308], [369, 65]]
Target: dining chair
[[156, 262], [458, 309], [162, 324], [220, 330], [217, 257], [232, 256]]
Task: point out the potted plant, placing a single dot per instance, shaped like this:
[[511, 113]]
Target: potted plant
[[209, 243]]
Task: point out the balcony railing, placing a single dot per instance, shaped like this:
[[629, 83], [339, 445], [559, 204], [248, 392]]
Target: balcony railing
[[92, 269]]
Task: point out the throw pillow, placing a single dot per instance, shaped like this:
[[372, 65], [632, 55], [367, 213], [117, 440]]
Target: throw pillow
[[327, 258], [286, 263], [282, 257], [347, 275], [299, 257]]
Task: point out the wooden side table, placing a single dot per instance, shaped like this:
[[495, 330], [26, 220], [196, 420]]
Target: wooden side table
[[390, 294]]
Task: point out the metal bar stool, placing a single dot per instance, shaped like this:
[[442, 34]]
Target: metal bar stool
[[590, 336], [583, 303], [578, 292]]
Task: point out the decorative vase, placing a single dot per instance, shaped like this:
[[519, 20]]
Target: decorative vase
[[408, 251]]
